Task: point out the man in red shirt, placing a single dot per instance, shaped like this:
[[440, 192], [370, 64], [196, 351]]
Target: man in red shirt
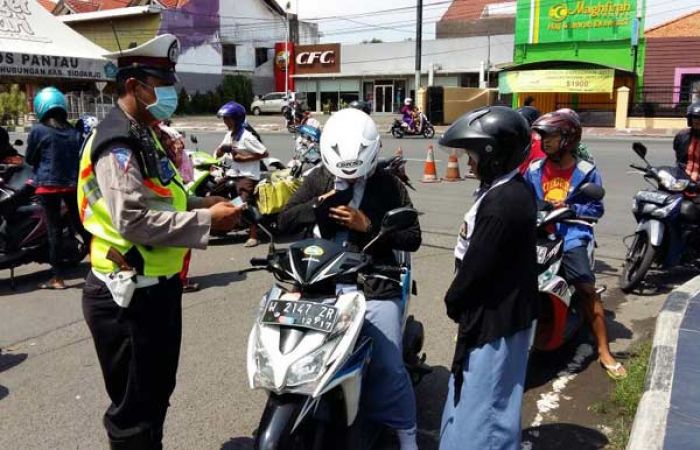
[[686, 144], [556, 179], [530, 113]]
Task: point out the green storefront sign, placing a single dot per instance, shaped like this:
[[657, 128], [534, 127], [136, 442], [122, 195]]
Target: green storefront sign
[[602, 32], [543, 21]]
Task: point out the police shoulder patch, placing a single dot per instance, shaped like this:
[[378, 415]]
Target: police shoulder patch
[[121, 156]]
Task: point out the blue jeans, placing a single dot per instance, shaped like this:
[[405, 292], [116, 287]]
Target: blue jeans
[[387, 392], [487, 416]]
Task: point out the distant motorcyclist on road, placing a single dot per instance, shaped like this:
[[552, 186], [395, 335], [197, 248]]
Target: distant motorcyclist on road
[[409, 111], [246, 151], [556, 179], [346, 199], [686, 144]]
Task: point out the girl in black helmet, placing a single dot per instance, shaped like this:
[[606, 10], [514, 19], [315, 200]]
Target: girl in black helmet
[[494, 295]]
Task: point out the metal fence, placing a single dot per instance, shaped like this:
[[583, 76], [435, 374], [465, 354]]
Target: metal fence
[[661, 101], [80, 103], [593, 114]]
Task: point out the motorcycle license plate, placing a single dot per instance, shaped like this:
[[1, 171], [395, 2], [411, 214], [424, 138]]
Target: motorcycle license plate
[[314, 316]]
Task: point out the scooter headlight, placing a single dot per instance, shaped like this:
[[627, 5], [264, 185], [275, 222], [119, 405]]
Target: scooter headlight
[[347, 311], [310, 367]]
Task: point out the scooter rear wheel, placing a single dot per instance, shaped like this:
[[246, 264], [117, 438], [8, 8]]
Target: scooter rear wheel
[[638, 261]]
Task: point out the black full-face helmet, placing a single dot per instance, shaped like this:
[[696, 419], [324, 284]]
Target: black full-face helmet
[[499, 137], [693, 112]]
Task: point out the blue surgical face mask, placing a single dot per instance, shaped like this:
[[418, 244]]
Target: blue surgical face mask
[[166, 102]]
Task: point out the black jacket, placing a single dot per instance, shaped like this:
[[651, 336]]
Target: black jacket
[[494, 293], [681, 143], [383, 193]]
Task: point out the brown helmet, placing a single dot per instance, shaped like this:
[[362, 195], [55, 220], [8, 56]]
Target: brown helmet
[[566, 124], [569, 111]]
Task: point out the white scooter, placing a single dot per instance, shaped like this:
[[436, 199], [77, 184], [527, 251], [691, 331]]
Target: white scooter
[[304, 348]]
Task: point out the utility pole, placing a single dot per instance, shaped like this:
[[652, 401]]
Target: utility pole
[[286, 53], [419, 41]]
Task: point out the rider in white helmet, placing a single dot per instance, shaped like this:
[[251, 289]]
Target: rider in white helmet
[[345, 200]]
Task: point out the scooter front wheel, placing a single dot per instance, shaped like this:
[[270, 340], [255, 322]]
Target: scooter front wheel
[[397, 133], [638, 261], [429, 132]]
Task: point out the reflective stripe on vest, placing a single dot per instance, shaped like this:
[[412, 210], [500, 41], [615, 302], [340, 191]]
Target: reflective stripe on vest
[[158, 261]]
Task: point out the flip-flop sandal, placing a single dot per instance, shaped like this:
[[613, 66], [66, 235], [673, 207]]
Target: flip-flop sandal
[[615, 371], [52, 286]]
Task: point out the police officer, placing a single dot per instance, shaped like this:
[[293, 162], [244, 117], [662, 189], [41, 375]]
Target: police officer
[[132, 200]]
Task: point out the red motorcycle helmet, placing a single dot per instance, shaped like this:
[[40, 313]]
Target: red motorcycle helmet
[[566, 124]]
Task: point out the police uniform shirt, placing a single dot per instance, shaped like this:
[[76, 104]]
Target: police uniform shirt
[[139, 215]]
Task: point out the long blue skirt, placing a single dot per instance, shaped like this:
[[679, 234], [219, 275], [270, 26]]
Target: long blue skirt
[[487, 416]]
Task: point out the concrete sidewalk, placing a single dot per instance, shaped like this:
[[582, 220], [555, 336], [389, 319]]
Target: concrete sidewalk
[[668, 416], [276, 124]]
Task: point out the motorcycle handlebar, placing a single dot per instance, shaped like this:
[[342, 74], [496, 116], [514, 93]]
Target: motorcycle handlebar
[[388, 270], [643, 169]]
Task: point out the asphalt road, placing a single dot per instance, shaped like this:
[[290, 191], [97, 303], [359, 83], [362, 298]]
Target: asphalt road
[[51, 391]]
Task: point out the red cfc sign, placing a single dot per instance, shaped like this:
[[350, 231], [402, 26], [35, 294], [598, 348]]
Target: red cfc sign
[[322, 58]]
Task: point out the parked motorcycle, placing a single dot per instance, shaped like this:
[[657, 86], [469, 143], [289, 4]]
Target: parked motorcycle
[[23, 226], [668, 222], [305, 348], [400, 128], [560, 313]]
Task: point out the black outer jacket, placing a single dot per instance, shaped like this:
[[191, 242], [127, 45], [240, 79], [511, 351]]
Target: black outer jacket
[[681, 143], [383, 193], [494, 293]]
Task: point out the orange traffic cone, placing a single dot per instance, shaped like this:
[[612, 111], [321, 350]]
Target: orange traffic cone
[[453, 168], [429, 169], [399, 152]]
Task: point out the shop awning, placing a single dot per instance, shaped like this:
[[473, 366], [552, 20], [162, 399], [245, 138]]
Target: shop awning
[[557, 80], [34, 43]]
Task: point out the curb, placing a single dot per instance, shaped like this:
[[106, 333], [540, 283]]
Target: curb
[[649, 426]]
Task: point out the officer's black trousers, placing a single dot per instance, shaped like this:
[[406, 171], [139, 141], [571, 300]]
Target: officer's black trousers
[[138, 349]]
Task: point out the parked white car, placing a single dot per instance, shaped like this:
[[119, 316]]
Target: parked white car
[[273, 102]]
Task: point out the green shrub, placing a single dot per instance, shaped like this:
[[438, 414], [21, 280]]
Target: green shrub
[[233, 87], [13, 105]]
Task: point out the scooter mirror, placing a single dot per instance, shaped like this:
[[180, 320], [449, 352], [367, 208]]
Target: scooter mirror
[[399, 219], [593, 191], [394, 220], [640, 149], [193, 139]]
